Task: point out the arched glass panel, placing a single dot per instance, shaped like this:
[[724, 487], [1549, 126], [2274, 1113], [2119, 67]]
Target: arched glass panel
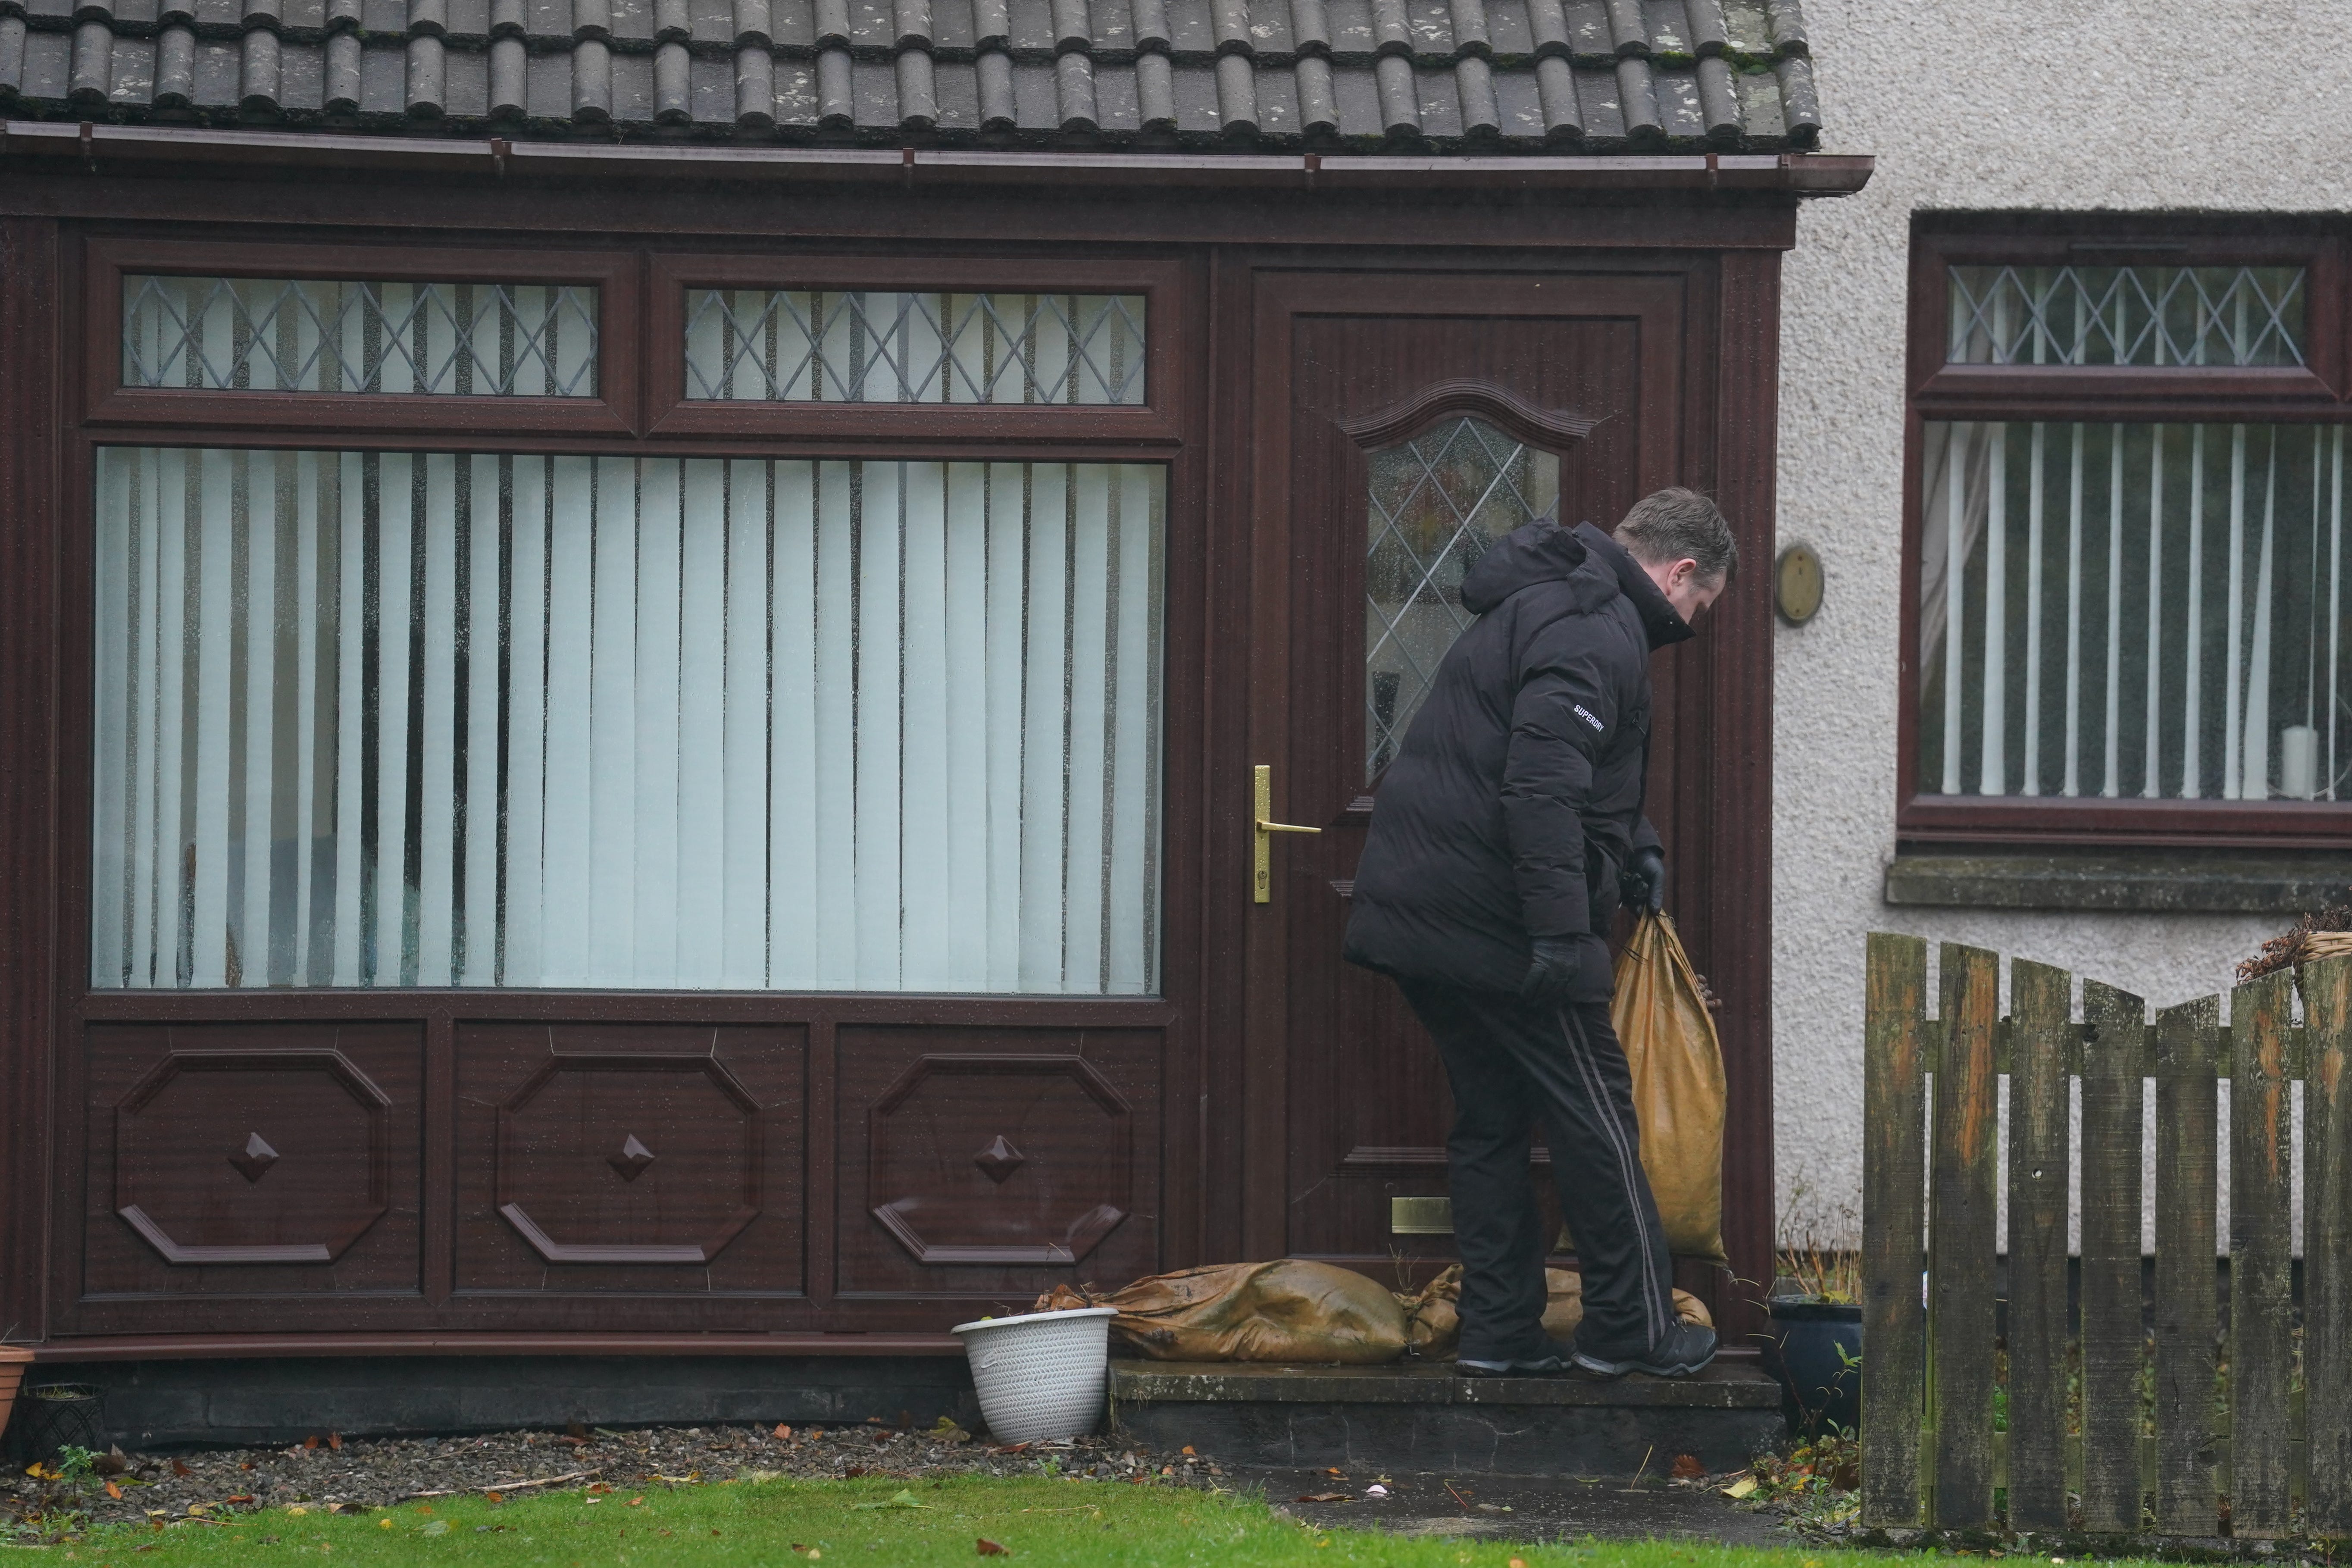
[[1437, 503]]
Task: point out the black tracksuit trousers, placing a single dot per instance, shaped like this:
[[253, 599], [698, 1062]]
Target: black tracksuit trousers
[[1513, 1064]]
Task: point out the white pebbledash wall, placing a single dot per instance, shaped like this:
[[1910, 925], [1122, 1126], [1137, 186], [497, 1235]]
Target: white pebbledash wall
[[1974, 105]]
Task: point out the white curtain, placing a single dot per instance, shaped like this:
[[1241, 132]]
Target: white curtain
[[432, 718]]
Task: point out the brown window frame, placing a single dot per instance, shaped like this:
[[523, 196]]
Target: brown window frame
[[670, 412], [101, 412], [2317, 392]]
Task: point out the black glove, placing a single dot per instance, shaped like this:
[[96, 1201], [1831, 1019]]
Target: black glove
[[1641, 885], [1567, 968]]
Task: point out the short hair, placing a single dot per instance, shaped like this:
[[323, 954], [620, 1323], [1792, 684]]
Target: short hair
[[1670, 525]]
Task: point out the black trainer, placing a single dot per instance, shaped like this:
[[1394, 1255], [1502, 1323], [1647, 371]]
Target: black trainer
[[1549, 1361], [1685, 1349]]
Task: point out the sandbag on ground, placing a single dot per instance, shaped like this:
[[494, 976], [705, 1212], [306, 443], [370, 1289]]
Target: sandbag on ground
[[1287, 1310], [1433, 1322]]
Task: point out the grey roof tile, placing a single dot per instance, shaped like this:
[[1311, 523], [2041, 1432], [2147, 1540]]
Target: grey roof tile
[[1599, 76]]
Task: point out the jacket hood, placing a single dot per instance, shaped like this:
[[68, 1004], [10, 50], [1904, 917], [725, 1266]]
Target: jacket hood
[[1542, 551], [1659, 620]]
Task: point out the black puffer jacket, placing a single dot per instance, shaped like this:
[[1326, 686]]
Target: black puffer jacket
[[1517, 794]]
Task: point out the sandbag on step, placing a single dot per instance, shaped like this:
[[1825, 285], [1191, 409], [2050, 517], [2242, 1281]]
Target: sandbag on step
[[1287, 1310], [1433, 1318]]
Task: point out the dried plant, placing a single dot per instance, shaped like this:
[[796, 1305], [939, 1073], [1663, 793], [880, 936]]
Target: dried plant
[[1817, 1243], [2295, 945]]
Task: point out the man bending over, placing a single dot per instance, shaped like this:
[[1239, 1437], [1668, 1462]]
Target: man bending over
[[1503, 838]]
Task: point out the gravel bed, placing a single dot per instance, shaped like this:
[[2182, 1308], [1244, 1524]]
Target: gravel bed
[[331, 1472]]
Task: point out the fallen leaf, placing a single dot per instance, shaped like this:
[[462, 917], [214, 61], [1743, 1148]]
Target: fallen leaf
[[598, 1488], [240, 1496], [1519, 1563], [783, 1431], [296, 1509], [989, 1549], [636, 1502], [1322, 1496], [1686, 1468], [180, 1466], [494, 1497], [854, 1471], [311, 1442], [1188, 1447], [901, 1499], [384, 1523], [1744, 1487], [114, 1491], [335, 1441]]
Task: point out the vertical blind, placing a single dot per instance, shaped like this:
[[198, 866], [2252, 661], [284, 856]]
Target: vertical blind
[[801, 345], [2134, 610], [434, 719], [278, 334]]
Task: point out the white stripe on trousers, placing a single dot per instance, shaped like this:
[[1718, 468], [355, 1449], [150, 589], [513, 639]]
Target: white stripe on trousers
[[1628, 1166]]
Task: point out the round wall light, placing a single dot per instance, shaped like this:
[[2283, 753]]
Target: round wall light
[[1797, 584]]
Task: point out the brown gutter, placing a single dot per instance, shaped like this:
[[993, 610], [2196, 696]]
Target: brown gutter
[[215, 1347], [1798, 174]]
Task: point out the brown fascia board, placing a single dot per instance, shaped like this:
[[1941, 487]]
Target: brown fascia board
[[1797, 173]]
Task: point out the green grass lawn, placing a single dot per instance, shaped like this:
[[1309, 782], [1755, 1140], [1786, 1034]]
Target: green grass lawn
[[852, 1524]]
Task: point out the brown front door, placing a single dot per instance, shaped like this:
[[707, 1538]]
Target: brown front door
[[1405, 422]]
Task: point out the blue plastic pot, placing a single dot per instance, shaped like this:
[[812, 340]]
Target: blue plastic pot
[[1815, 1351]]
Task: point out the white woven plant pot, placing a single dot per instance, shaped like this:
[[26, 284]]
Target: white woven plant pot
[[1040, 1376]]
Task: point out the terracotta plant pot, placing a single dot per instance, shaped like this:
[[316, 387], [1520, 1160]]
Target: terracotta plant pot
[[14, 1360]]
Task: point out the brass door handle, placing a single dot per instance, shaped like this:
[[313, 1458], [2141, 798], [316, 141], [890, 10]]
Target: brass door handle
[[1262, 798]]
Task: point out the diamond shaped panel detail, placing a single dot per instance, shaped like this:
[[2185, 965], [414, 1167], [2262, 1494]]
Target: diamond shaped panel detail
[[999, 1160], [253, 1161], [1438, 501], [633, 1159]]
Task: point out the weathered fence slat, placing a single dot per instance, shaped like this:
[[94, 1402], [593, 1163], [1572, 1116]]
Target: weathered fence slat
[[2186, 1175], [1893, 1170], [2328, 1247], [2261, 1279], [1962, 1237], [2114, 1068], [2040, 1001]]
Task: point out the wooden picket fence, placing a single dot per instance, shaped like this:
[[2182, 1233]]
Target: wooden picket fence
[[2268, 1447]]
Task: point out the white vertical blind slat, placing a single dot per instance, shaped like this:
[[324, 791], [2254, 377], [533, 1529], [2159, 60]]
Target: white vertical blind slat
[[703, 889], [351, 673], [111, 668], [436, 804], [1009, 672], [2152, 786], [928, 785], [480, 633], [2071, 780], [566, 886], [833, 745], [2192, 734], [521, 950], [744, 826], [657, 707], [2255, 783], [877, 739], [1045, 779], [966, 625], [1956, 561], [2031, 784], [2111, 783], [1089, 723], [796, 820], [2335, 600]]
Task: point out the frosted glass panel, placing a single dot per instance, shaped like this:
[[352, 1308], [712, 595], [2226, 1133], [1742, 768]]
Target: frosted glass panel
[[814, 346], [434, 719], [1437, 503], [2149, 611], [274, 335]]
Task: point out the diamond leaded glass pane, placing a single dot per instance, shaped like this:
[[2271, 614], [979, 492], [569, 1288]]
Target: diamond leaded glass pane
[[764, 345], [1437, 503], [279, 334], [2126, 315]]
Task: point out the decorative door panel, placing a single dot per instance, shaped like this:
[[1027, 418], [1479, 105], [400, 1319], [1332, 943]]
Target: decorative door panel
[[248, 1160], [992, 1163], [652, 1159], [1420, 422]]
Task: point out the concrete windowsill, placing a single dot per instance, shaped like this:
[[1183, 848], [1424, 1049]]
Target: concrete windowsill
[[2156, 881]]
